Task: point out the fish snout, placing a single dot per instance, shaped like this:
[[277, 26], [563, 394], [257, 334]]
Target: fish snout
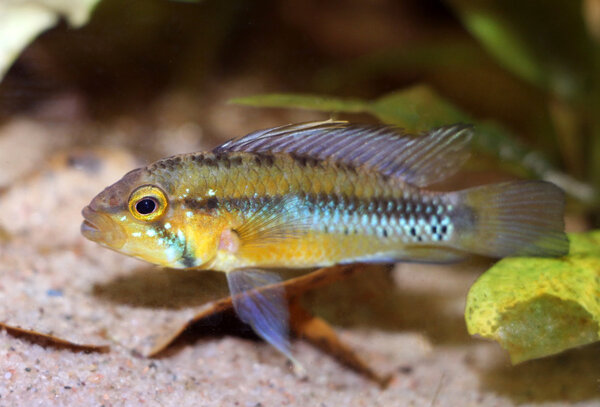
[[100, 228]]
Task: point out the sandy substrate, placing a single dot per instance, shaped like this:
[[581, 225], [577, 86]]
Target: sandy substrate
[[408, 323]]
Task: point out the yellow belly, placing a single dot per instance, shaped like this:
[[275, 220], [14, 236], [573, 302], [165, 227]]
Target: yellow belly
[[311, 250]]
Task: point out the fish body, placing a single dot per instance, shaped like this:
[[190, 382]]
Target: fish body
[[318, 194]]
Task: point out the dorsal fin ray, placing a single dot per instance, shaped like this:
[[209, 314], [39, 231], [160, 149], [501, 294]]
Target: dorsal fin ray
[[417, 159]]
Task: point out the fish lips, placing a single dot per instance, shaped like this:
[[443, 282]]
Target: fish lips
[[100, 228]]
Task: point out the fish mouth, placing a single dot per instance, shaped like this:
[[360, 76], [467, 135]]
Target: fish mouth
[[88, 228], [100, 228]]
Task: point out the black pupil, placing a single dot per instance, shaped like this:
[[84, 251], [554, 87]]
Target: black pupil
[[145, 206]]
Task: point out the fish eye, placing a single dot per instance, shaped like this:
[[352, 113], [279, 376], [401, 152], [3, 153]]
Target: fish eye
[[146, 206], [147, 203]]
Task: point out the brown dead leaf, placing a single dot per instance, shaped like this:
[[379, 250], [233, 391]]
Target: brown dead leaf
[[320, 334], [293, 286], [43, 339], [302, 323]]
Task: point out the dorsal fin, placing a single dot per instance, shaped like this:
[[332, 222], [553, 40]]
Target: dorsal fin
[[417, 159]]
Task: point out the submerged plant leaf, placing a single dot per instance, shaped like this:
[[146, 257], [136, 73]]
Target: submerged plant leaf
[[536, 307], [304, 101], [421, 108]]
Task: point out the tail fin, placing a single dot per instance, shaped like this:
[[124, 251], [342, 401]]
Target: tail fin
[[522, 218]]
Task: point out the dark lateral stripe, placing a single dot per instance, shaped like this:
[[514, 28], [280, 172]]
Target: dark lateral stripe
[[225, 160], [322, 203]]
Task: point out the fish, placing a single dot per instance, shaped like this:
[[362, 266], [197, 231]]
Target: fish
[[318, 194]]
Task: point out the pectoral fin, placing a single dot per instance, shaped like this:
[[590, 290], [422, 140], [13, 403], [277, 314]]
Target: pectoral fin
[[277, 219], [265, 310]]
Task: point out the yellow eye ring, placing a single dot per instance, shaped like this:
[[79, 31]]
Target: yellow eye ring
[[148, 203]]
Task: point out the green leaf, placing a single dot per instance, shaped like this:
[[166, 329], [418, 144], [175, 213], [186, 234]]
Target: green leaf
[[421, 108], [536, 307], [304, 101], [417, 108]]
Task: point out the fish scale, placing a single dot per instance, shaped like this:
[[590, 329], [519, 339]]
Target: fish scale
[[379, 216], [317, 194]]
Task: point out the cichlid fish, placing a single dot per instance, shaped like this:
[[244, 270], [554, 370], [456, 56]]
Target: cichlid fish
[[313, 195]]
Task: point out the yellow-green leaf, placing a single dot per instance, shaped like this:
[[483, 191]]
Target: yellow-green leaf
[[536, 307]]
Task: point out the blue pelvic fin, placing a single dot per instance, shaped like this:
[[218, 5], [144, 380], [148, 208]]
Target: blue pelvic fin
[[265, 310]]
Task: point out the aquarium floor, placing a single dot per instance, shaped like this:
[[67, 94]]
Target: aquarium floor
[[55, 282]]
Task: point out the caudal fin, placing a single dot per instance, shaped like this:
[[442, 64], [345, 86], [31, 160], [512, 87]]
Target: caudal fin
[[522, 218]]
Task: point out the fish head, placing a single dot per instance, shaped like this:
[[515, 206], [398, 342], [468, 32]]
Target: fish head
[[134, 216]]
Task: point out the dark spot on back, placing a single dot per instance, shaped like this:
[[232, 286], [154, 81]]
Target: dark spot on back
[[305, 161], [269, 159], [210, 162], [347, 168], [225, 161], [264, 159], [173, 161], [299, 159]]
